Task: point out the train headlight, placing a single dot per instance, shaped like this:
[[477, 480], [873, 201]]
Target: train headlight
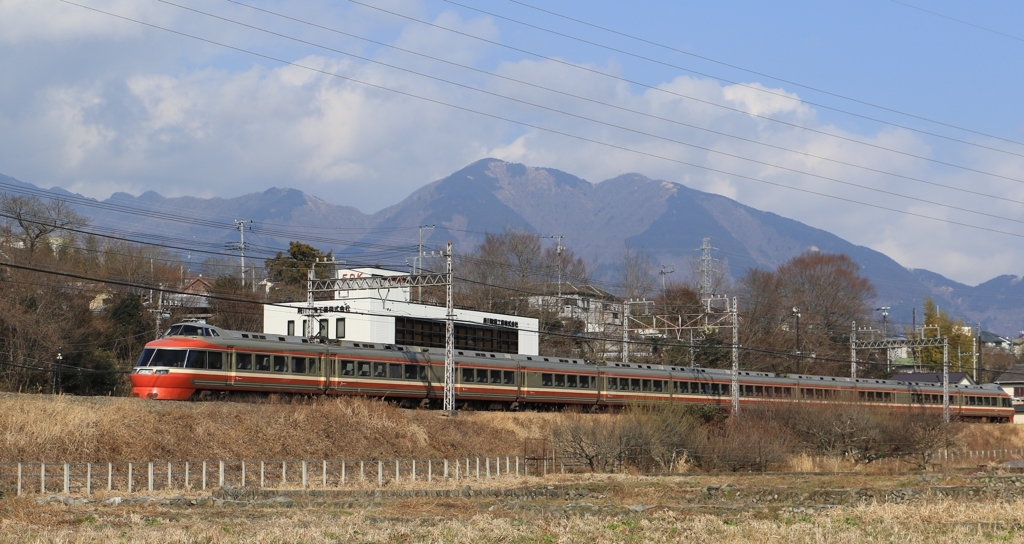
[[146, 371], [162, 372]]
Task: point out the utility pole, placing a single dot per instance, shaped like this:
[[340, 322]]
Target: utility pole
[[664, 272], [625, 332], [419, 261], [449, 337], [945, 381], [885, 336], [735, 387], [56, 387], [796, 314], [853, 351], [240, 225]]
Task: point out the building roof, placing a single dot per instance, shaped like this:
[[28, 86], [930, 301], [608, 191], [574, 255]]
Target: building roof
[[987, 337], [931, 377], [570, 289], [1014, 374]]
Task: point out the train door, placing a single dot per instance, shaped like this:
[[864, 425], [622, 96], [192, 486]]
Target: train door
[[231, 365], [326, 371]]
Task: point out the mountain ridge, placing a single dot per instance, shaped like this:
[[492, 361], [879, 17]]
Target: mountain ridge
[[597, 220]]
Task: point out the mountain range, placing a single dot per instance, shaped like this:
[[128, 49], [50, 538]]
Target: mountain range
[[597, 221]]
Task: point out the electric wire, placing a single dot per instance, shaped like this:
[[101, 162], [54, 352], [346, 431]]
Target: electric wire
[[659, 89], [961, 21], [562, 133], [747, 70], [603, 103]]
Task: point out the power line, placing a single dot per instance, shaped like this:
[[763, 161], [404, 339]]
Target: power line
[[553, 131], [666, 91], [608, 105], [961, 21], [749, 71]]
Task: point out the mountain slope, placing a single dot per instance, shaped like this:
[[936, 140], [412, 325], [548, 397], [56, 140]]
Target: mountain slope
[[597, 220]]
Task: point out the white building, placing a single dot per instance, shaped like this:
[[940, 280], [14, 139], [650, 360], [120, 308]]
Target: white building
[[388, 316]]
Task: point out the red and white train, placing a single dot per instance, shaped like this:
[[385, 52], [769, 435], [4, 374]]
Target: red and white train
[[196, 361]]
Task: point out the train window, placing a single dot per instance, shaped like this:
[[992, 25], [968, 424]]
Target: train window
[[509, 377], [299, 365], [546, 380], [280, 363], [495, 376], [195, 359], [467, 375], [584, 382], [380, 370], [725, 388], [168, 357], [645, 385], [747, 390], [147, 354], [758, 391], [571, 381], [1007, 403], [559, 380], [714, 389], [364, 368], [634, 384], [658, 386], [988, 401], [481, 375], [970, 401], [348, 368], [243, 361], [613, 384], [215, 360], [411, 373], [695, 387], [395, 371], [263, 363], [313, 365]]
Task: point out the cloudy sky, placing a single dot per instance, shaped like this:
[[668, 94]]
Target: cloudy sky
[[894, 125]]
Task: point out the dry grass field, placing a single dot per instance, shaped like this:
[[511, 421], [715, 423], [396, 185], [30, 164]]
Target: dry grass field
[[586, 509], [863, 504], [104, 429]]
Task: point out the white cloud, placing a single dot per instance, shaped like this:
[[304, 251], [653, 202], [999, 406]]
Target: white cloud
[[112, 107]]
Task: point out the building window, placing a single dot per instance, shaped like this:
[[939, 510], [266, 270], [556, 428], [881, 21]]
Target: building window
[[323, 329], [430, 334], [291, 327], [339, 328]]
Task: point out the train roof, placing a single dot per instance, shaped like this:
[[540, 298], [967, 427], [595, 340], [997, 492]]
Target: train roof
[[555, 363]]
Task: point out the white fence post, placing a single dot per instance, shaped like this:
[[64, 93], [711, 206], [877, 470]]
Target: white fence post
[[88, 478], [430, 470], [130, 478], [110, 476], [325, 473], [67, 478], [343, 473], [150, 477], [414, 470], [380, 473], [243, 473], [42, 477], [170, 481], [187, 483], [19, 479], [204, 475], [263, 474], [220, 477]]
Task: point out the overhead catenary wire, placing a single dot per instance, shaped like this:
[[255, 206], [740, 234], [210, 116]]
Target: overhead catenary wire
[[538, 127], [747, 70], [586, 99], [660, 89]]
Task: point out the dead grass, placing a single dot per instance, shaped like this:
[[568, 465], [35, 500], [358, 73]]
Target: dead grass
[[462, 521], [69, 429]]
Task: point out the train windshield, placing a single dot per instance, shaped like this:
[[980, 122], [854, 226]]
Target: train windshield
[[190, 330], [147, 354], [162, 357]]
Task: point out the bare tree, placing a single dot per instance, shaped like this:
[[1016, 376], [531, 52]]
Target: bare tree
[[32, 221], [636, 273]]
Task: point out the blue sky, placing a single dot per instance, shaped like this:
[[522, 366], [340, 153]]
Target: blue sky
[[96, 105]]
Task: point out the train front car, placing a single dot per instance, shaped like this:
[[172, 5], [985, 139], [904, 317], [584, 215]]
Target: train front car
[[167, 367]]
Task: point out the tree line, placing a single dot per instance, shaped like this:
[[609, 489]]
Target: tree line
[[113, 294]]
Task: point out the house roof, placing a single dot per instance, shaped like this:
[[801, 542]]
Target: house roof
[[198, 286], [1014, 374], [572, 290], [987, 337], [931, 377]]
